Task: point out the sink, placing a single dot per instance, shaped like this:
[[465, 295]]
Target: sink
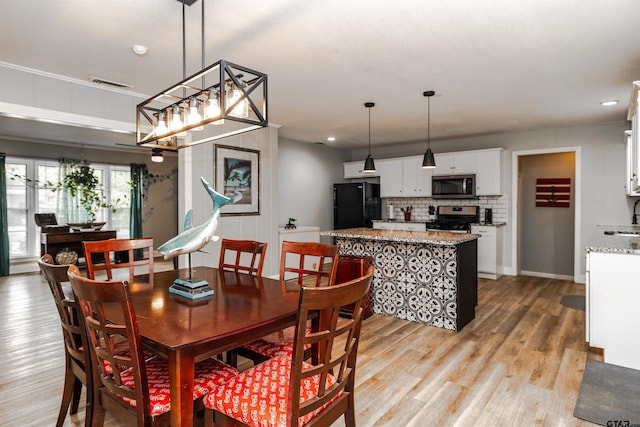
[[623, 233]]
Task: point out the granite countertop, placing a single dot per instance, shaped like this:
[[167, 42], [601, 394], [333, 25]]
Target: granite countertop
[[600, 242], [432, 237]]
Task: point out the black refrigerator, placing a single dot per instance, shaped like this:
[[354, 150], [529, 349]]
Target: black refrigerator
[[355, 204]]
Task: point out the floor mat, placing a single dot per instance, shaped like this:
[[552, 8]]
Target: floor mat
[[609, 393], [576, 302]]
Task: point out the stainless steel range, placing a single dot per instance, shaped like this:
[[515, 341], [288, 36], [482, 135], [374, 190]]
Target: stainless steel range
[[455, 219]]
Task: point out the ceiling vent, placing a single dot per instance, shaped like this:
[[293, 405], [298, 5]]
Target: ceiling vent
[[101, 81]]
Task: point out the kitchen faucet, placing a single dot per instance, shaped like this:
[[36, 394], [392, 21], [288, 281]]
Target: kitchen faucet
[[634, 219]]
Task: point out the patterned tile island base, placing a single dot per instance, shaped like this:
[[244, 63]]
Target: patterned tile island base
[[425, 277]]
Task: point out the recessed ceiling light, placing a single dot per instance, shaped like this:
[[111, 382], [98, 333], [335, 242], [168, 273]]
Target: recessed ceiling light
[[609, 103], [331, 138], [140, 50]]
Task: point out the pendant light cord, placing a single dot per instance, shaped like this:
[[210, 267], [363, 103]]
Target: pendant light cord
[[202, 43], [184, 49], [429, 122], [369, 130]]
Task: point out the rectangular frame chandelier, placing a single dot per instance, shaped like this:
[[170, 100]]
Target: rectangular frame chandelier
[[221, 100]]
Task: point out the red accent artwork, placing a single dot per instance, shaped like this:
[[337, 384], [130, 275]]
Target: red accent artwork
[[553, 192]]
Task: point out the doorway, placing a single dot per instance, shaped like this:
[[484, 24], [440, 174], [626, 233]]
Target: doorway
[[545, 238]]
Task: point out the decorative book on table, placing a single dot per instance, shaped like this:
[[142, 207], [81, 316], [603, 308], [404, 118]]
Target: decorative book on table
[[191, 290]]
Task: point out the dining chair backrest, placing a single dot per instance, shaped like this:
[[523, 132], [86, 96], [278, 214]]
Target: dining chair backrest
[[334, 346], [108, 255], [309, 263], [73, 333], [116, 347], [245, 256]]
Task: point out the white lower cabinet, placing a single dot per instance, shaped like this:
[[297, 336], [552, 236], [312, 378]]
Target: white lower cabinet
[[384, 225], [489, 250], [613, 318], [404, 226]]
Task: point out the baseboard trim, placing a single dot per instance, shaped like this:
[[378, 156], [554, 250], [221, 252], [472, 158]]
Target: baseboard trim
[[546, 275]]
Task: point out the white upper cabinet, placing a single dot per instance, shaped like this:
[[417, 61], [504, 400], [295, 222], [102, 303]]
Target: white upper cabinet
[[404, 177], [390, 177], [633, 143], [354, 170], [488, 172], [462, 162], [416, 182]]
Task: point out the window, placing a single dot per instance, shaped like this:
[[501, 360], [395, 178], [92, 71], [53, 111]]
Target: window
[[24, 200]]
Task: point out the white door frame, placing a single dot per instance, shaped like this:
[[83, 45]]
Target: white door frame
[[577, 245]]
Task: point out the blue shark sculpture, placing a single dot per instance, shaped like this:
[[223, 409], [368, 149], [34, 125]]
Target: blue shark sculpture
[[195, 238]]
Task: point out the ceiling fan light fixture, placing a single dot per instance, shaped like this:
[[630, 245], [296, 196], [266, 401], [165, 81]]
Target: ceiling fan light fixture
[[429, 160], [369, 165], [157, 156]]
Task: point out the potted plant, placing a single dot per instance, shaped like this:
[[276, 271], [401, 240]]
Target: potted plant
[[82, 185], [291, 224], [85, 194]]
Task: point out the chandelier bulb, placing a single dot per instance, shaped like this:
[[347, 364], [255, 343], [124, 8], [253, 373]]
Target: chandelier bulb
[[194, 114], [177, 121], [212, 107]]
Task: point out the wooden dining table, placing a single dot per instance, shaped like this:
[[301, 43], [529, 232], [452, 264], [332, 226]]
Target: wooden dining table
[[243, 308]]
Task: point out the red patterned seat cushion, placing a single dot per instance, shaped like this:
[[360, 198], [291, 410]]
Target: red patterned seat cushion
[[258, 396], [207, 375], [276, 344], [269, 349]]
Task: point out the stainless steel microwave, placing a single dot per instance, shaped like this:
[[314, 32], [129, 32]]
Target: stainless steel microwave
[[453, 186]]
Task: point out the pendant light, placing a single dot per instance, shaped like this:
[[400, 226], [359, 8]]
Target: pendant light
[[369, 166], [429, 161]]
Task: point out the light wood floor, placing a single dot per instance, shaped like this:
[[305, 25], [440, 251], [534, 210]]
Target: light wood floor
[[519, 363]]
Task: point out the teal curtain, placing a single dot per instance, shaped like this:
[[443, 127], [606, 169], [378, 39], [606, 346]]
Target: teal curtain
[[135, 211], [4, 220]]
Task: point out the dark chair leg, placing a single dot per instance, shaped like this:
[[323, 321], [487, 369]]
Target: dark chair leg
[[67, 393], [75, 397]]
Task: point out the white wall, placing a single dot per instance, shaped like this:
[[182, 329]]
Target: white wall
[[198, 161], [306, 173], [602, 199]]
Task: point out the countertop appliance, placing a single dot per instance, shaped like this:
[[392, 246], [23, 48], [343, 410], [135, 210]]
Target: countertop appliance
[[356, 204], [455, 219], [453, 186]]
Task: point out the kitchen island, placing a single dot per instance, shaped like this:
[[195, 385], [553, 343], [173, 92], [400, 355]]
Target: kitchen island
[[424, 276]]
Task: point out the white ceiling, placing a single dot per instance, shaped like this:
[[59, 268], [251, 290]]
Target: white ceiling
[[496, 65]]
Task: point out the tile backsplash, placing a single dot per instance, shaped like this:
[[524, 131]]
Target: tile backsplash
[[421, 205]]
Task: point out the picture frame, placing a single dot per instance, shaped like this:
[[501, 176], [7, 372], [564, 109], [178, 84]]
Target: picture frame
[[237, 175]]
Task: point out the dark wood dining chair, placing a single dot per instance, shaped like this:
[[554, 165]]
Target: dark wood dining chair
[[310, 264], [128, 384], [77, 359], [286, 390], [245, 256], [112, 254]]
